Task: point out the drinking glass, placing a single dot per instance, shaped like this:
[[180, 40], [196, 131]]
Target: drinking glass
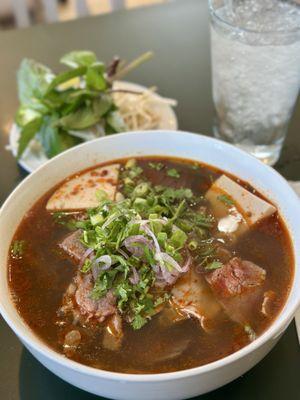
[[255, 50]]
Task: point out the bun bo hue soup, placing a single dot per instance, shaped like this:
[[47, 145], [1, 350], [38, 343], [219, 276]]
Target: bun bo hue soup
[[150, 265]]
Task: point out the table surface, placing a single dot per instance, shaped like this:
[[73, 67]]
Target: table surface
[[178, 34]]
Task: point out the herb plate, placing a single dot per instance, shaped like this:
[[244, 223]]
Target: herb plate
[[34, 156]]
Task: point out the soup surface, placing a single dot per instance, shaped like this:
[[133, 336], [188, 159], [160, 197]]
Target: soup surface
[[150, 265]]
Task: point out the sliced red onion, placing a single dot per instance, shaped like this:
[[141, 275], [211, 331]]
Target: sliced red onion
[[137, 251], [156, 269], [106, 260], [187, 263], [170, 277], [85, 255], [135, 278], [106, 264], [146, 229]]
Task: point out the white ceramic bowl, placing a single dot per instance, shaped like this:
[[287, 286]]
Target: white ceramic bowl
[[174, 385]]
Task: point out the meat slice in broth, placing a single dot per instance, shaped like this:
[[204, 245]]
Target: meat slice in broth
[[99, 309], [73, 247], [193, 298], [238, 286]]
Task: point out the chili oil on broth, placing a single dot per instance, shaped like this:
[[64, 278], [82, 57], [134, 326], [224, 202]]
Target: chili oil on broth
[[40, 277]]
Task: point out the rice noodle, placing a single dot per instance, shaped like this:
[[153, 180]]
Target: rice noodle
[[141, 110], [187, 264]]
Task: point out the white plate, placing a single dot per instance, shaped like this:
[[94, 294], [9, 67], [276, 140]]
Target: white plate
[[34, 156]]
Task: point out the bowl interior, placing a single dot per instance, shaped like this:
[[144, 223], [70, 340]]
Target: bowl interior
[[159, 143]]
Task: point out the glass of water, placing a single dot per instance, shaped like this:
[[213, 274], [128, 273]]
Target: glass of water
[[255, 49]]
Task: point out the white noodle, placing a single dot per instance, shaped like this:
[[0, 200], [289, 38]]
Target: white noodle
[[141, 110]]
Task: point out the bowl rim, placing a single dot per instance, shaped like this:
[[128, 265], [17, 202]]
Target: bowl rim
[[27, 336]]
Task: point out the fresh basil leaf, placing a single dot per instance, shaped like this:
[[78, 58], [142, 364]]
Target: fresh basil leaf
[[27, 134], [55, 141], [81, 119], [102, 105], [65, 77], [33, 80], [95, 78], [86, 117], [79, 58], [25, 115]]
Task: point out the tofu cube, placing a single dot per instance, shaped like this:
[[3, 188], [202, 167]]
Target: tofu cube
[[233, 204]]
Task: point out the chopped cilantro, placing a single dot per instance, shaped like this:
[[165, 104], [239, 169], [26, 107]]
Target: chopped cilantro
[[130, 163], [86, 266], [174, 194], [178, 239], [135, 171], [138, 322], [17, 248], [173, 173], [227, 200], [101, 195], [214, 265], [156, 165]]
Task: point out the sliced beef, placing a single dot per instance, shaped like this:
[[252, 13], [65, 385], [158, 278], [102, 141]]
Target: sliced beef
[[238, 286], [77, 298], [73, 246], [99, 309], [193, 298], [78, 301]]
